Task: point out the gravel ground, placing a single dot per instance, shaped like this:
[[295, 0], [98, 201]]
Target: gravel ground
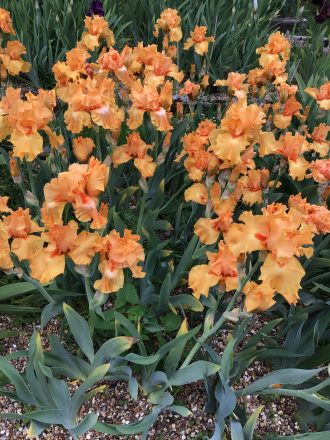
[[115, 405]]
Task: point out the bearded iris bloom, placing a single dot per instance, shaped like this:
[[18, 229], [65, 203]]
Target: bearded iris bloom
[[116, 94], [135, 149], [321, 95], [199, 40]]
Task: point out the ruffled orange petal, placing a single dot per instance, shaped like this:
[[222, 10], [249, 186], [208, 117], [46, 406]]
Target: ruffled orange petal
[[228, 147], [135, 118], [200, 280], [112, 279], [3, 204], [84, 247], [25, 248], [120, 156], [108, 117], [267, 143], [202, 48], [5, 260], [76, 121], [252, 197], [259, 297], [285, 279], [160, 120], [206, 231], [197, 193], [146, 166], [137, 271], [96, 177], [298, 168], [281, 121], [26, 146], [82, 148], [249, 237], [45, 267]]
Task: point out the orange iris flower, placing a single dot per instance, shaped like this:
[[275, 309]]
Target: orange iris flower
[[317, 217], [284, 235], [320, 170], [259, 297], [292, 146], [157, 66], [4, 204], [49, 262], [5, 259], [221, 269], [97, 29], [195, 146], [5, 22], [11, 61], [72, 68], [239, 128], [80, 186], [283, 118], [319, 137], [21, 228], [321, 95], [280, 232], [273, 58], [146, 98], [199, 40], [235, 83], [169, 22], [119, 253], [23, 119], [135, 149], [83, 148], [190, 89], [92, 100], [250, 186]]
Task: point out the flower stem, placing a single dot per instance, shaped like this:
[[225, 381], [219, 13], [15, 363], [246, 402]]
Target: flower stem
[[142, 207], [173, 197], [40, 288], [220, 322], [31, 178], [88, 289], [91, 316], [98, 144]]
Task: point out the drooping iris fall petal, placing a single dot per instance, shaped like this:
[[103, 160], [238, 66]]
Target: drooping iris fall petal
[[200, 280], [284, 278]]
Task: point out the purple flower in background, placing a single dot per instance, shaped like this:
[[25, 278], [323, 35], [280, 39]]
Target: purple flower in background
[[323, 12], [95, 8]]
